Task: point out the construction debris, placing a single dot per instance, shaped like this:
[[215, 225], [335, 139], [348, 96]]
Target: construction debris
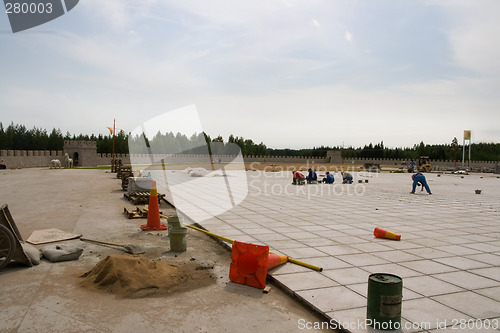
[[137, 213]]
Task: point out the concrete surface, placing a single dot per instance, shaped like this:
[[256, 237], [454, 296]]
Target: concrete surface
[[48, 297], [448, 256]]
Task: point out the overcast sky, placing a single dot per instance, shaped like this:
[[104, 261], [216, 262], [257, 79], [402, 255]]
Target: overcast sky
[[292, 74]]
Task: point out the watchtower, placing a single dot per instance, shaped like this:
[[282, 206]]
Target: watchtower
[[83, 153], [334, 156]]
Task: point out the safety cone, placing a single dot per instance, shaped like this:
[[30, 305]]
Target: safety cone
[[153, 212], [249, 264], [274, 260], [382, 233]]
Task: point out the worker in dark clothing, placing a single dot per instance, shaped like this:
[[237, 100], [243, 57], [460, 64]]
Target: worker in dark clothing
[[312, 176], [346, 177], [329, 179], [419, 179]]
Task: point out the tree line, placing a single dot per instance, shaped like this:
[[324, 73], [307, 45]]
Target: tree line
[[18, 137]]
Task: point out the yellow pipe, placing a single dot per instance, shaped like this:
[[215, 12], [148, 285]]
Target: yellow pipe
[[294, 261]]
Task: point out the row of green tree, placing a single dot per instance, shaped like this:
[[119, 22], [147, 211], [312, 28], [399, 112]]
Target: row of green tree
[[18, 137], [453, 151]]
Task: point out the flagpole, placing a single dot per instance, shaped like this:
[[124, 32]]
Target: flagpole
[[463, 152], [470, 140], [114, 123]]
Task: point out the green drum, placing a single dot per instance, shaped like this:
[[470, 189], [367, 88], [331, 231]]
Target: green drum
[[177, 239], [173, 222], [385, 294]]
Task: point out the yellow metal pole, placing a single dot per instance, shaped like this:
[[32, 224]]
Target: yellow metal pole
[[294, 261]]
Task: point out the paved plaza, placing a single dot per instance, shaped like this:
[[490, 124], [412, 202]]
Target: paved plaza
[[448, 256]]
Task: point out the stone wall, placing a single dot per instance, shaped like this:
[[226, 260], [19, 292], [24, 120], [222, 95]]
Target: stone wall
[[42, 158], [30, 158], [434, 163]]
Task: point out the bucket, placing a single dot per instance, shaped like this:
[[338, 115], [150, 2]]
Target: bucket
[[173, 222], [177, 239], [385, 295]]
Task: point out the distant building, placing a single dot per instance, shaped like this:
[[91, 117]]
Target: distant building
[[334, 156], [83, 153]]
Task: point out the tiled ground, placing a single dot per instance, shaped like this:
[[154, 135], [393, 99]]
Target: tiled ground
[[448, 256]]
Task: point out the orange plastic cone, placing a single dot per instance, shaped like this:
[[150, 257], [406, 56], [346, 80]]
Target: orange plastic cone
[[275, 260], [153, 212], [382, 233], [249, 264]]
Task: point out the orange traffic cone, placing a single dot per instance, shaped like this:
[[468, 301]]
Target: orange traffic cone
[[153, 212], [274, 260], [250, 263], [382, 233]]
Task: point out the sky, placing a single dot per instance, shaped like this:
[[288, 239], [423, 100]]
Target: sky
[[290, 74]]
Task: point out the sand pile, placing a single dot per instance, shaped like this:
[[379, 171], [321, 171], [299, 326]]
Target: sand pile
[[134, 277]]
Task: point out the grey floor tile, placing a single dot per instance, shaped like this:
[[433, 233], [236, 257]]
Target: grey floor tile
[[474, 327], [337, 249], [488, 258], [347, 275], [315, 242], [429, 286], [300, 235], [304, 252], [371, 247], [461, 262], [397, 256], [429, 314], [395, 269], [305, 280], [429, 253], [467, 280], [362, 259], [472, 304], [485, 247], [493, 292], [428, 266], [491, 272], [328, 262], [269, 237], [333, 298], [457, 249]]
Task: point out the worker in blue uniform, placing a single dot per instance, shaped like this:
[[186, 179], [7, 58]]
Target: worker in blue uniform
[[419, 178]]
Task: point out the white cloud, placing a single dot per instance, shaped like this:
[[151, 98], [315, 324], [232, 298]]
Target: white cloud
[[315, 23], [473, 34], [348, 36]]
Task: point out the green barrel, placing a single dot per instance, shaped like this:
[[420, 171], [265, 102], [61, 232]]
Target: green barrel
[[173, 222], [385, 294], [177, 239]]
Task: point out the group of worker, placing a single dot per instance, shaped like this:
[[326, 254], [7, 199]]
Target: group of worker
[[312, 177], [298, 179]]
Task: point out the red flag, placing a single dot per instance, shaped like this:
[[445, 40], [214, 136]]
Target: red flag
[[110, 130]]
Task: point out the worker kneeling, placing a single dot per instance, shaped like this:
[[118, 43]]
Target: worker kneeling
[[346, 177], [312, 177], [329, 179], [298, 178], [419, 179]]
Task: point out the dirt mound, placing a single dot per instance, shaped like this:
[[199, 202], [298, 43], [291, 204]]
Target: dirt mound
[[135, 277]]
